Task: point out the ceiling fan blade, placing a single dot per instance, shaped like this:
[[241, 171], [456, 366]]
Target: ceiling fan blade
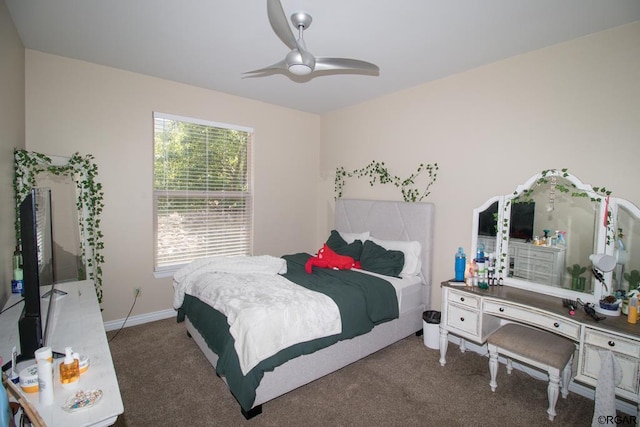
[[279, 23], [334, 64], [281, 65]]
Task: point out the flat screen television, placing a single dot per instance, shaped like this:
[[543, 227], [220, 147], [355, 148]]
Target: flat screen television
[[521, 224], [36, 238]]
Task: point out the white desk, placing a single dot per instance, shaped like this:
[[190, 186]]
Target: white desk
[[474, 314], [76, 322]]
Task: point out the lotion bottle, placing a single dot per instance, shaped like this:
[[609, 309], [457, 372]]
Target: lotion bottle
[[632, 317], [69, 368], [44, 366]]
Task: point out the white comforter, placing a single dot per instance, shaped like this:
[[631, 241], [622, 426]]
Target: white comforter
[[266, 312]]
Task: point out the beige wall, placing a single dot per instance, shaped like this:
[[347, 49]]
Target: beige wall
[[12, 136], [573, 105], [74, 106]]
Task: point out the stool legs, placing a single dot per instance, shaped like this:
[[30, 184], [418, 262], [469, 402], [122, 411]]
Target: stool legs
[[556, 379], [566, 378], [553, 390], [493, 366]]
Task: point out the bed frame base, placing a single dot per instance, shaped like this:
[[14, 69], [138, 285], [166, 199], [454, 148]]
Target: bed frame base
[[306, 368], [256, 410]]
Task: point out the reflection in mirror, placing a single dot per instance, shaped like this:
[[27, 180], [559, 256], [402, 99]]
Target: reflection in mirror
[[555, 235], [488, 228], [67, 258], [626, 274], [521, 224]]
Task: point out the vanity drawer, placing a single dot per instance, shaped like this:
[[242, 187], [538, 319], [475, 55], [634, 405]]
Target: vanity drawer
[[463, 319], [536, 253], [626, 352], [556, 324], [590, 365], [465, 299], [612, 342]]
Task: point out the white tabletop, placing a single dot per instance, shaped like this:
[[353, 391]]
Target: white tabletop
[[77, 323]]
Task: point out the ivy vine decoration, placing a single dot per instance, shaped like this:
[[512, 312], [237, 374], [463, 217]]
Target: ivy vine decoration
[[89, 203], [378, 173], [504, 237]]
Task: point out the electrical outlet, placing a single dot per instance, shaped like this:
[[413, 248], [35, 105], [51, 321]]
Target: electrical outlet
[[137, 292]]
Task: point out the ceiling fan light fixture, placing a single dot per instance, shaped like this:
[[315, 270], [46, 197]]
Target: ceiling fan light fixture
[[299, 69], [299, 61], [297, 65]]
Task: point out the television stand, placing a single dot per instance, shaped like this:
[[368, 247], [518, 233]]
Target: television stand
[[56, 291], [77, 323]]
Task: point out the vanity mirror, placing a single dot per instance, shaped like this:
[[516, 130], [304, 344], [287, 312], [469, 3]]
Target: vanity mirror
[[626, 274], [83, 196], [543, 233]]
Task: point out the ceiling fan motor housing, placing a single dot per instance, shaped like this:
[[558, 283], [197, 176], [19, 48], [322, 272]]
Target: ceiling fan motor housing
[[297, 65]]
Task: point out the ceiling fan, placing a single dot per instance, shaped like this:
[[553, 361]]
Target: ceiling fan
[[299, 61]]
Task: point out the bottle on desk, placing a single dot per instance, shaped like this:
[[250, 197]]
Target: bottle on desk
[[69, 368], [44, 368], [482, 267], [460, 265], [632, 316]]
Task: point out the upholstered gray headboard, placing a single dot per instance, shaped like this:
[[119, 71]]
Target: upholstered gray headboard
[[390, 220]]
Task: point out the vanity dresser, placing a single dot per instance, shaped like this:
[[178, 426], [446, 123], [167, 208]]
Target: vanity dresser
[[473, 314], [595, 223]]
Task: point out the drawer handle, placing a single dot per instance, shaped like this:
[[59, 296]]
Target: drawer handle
[[462, 319], [556, 324], [462, 299], [501, 309], [611, 344]]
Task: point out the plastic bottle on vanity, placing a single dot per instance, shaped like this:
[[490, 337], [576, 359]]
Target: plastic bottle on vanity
[[69, 368], [461, 265], [491, 269], [562, 241], [482, 271], [632, 316]]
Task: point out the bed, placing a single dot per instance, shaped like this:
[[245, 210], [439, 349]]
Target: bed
[[390, 222]]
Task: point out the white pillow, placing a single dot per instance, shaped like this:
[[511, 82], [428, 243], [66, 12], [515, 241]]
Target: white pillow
[[352, 237], [411, 251]]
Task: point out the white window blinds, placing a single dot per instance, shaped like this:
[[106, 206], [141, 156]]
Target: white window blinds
[[202, 190]]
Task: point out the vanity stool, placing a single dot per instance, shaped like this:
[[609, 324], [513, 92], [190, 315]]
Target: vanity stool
[[543, 350]]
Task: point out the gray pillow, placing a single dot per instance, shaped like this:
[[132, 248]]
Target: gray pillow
[[377, 259]]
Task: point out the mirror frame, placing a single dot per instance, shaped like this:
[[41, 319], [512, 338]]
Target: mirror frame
[[632, 210], [604, 235], [89, 200]]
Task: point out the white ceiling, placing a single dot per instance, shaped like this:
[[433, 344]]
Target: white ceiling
[[209, 43]]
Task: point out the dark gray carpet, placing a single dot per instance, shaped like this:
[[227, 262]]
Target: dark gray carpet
[[165, 380]]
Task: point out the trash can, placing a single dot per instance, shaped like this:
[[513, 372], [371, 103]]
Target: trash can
[[431, 329]]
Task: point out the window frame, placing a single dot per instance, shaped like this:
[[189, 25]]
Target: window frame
[[168, 271]]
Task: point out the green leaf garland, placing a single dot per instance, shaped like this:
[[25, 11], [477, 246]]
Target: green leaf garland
[[378, 172], [89, 203]]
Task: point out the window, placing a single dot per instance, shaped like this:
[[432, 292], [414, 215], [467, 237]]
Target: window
[[202, 190]]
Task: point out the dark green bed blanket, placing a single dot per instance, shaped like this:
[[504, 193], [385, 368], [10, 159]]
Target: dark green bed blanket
[[363, 300]]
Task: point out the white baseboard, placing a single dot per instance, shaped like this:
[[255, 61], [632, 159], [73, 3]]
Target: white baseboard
[[579, 389], [139, 319]]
